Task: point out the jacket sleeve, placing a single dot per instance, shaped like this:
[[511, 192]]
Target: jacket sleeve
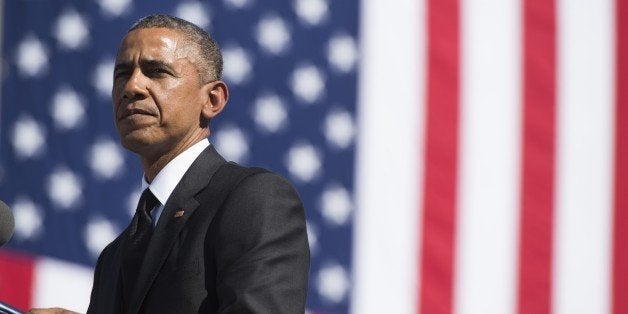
[[262, 253], [95, 301], [104, 298]]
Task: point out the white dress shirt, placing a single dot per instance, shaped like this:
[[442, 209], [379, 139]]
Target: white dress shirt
[[167, 179]]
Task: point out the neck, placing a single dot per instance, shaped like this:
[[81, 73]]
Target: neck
[[152, 166]]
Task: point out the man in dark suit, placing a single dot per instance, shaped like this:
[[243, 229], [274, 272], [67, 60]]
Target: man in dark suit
[[208, 236]]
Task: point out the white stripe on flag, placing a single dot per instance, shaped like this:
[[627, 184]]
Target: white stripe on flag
[[585, 157], [388, 175], [488, 194], [61, 284]]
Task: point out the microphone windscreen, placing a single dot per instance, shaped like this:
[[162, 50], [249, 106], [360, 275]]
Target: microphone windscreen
[[6, 223]]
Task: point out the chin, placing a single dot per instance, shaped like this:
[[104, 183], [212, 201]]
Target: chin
[[136, 144]]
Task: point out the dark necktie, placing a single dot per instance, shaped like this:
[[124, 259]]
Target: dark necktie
[[140, 232]]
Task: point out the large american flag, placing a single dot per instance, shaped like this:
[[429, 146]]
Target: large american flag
[[454, 156]]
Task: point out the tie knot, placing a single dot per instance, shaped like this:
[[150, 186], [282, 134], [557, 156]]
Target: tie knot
[[148, 201]]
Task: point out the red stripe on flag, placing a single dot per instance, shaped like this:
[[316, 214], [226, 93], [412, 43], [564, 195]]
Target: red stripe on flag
[[16, 277], [538, 153], [620, 254], [441, 155]]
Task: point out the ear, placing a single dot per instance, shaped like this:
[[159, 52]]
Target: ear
[[217, 96]]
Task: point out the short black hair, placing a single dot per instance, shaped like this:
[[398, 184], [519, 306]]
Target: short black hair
[[210, 59]]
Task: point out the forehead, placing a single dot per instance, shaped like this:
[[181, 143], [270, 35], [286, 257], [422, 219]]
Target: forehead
[[153, 43]]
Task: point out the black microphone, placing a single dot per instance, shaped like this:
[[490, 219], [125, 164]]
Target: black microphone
[[6, 223], [6, 231]]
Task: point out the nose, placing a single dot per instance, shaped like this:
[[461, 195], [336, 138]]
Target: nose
[[135, 86]]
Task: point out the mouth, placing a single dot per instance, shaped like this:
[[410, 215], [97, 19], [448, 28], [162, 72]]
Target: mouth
[[131, 112]]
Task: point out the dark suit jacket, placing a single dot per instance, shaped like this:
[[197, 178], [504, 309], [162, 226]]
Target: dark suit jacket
[[247, 255]]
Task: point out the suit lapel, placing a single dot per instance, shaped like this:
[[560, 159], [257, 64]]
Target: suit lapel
[[171, 221]]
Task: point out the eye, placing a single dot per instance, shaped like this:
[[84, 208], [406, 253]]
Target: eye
[[120, 74], [159, 71]]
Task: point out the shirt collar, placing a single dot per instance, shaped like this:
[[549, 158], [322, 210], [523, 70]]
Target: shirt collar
[[167, 179]]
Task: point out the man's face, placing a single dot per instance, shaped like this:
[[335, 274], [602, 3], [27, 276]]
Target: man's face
[[157, 95]]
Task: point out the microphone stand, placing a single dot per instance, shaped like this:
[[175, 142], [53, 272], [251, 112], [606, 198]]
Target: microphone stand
[[6, 309]]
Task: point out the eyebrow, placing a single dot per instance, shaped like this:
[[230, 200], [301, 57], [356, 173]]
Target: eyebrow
[[149, 63]]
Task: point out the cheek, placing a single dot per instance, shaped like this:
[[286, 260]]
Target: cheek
[[116, 94], [118, 86], [179, 102]]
